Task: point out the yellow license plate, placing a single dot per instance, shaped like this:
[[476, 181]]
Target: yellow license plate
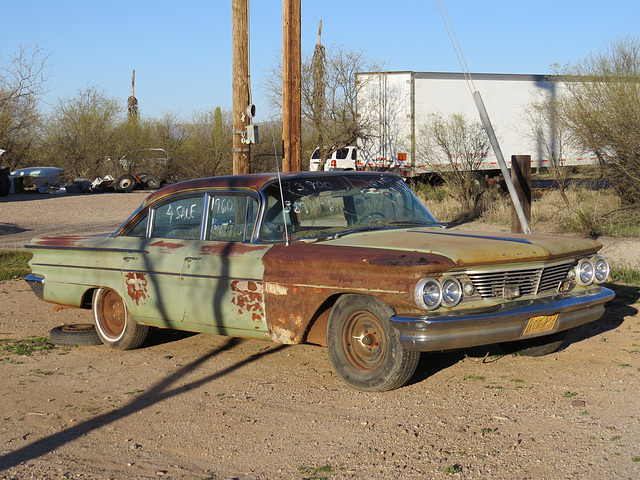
[[542, 323]]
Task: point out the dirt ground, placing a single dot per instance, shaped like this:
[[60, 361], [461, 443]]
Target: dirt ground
[[197, 406]]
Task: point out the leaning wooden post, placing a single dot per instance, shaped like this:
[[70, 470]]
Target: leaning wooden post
[[521, 177]]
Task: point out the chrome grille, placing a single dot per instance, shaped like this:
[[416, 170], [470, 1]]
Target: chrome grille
[[531, 281]]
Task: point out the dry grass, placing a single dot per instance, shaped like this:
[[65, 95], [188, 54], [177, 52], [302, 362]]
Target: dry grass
[[584, 212]]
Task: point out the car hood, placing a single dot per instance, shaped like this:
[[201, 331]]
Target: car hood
[[467, 249]]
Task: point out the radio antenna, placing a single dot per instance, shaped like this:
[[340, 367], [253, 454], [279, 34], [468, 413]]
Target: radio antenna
[[284, 219]]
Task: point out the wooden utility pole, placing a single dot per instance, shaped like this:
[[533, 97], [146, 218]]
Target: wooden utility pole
[[521, 177], [240, 44], [291, 100]]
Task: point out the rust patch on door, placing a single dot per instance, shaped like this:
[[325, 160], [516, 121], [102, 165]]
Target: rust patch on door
[[136, 286], [248, 297], [231, 249], [166, 247]]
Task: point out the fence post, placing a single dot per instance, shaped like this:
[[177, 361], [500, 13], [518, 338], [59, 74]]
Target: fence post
[[521, 177]]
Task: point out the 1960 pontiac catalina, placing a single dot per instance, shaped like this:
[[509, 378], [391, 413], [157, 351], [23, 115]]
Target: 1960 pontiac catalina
[[352, 261]]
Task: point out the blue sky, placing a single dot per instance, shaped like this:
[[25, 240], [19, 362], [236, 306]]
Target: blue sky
[[181, 50]]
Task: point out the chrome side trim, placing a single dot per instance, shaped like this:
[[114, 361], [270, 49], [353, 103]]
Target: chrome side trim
[[37, 285], [448, 330]]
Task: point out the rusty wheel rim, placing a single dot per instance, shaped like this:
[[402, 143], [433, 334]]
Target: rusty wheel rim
[[363, 341], [112, 313]]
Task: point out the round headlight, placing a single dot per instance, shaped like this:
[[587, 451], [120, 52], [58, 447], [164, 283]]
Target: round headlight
[[428, 293], [451, 292], [585, 272], [602, 269]]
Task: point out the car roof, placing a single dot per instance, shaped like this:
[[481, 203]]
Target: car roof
[[253, 181]]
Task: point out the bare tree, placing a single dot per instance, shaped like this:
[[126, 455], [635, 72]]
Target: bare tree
[[454, 147], [332, 122], [83, 133], [23, 78], [601, 109], [551, 135]]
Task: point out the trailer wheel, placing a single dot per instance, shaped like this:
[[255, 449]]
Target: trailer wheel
[[126, 183], [150, 181]]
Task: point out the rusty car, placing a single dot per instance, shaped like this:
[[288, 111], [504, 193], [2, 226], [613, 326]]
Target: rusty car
[[349, 260]]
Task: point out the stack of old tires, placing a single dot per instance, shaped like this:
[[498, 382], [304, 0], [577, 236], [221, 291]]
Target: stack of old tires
[[5, 183]]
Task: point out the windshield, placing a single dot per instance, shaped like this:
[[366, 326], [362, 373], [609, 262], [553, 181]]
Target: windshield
[[326, 206]]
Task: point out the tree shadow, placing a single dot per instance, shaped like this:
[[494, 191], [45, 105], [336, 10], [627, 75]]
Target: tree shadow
[[11, 229], [164, 389]]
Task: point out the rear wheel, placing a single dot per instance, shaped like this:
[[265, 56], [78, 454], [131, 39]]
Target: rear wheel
[[113, 321], [364, 348], [536, 347]]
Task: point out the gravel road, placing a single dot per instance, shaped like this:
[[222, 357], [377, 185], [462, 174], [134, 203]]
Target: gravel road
[[187, 406]]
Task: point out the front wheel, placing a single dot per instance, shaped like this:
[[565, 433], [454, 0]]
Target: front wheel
[[364, 348], [113, 321]]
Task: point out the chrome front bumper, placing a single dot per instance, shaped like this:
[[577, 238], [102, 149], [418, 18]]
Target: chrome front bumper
[[438, 331], [37, 285]]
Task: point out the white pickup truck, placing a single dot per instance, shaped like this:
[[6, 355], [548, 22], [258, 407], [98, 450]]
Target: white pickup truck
[[341, 159]]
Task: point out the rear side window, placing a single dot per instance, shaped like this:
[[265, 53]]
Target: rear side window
[[231, 218], [180, 218]]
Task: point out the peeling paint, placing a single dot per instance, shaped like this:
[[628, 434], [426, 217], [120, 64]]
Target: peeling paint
[[283, 335], [276, 288], [247, 296], [136, 286], [231, 249], [167, 247]]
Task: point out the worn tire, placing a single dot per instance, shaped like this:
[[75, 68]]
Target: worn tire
[[126, 183], [114, 324], [150, 182], [364, 348], [77, 334], [536, 347]]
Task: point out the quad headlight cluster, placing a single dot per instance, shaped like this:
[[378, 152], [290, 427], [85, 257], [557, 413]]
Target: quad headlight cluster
[[592, 270], [431, 293]]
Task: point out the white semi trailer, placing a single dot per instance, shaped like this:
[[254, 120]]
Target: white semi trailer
[[395, 105]]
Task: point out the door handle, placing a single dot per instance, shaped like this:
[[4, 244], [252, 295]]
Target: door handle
[[127, 259], [189, 259]]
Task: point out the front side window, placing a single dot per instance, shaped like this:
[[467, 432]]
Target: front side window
[[231, 218], [139, 229], [180, 218]]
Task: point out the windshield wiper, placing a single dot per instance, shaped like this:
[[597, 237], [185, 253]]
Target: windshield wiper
[[422, 224], [366, 228]]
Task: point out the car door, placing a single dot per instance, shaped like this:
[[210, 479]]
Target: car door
[[222, 275], [152, 274]]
